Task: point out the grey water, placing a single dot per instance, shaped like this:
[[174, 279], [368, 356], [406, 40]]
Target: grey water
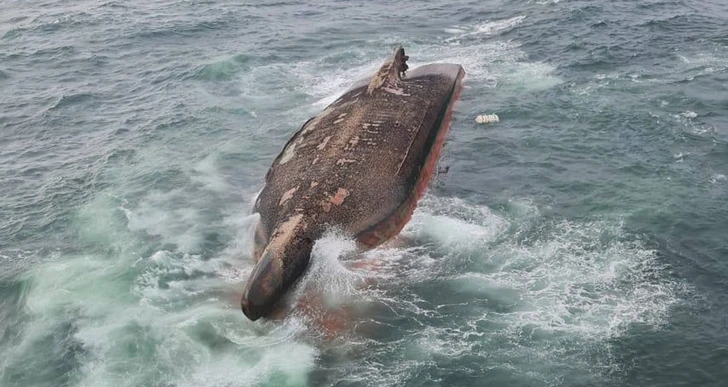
[[580, 241]]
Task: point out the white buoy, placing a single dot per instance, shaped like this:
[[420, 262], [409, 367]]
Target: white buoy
[[487, 118]]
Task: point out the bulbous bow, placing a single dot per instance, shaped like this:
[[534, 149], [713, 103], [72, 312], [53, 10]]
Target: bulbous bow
[[282, 263]]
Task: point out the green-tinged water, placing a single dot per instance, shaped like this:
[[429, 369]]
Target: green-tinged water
[[580, 241]]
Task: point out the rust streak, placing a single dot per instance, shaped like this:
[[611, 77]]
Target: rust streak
[[341, 195]]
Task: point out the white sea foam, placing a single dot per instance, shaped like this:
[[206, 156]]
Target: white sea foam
[[680, 156], [207, 173], [329, 84], [490, 27], [571, 282], [174, 225], [327, 276], [539, 301], [689, 119], [145, 317], [718, 177], [543, 302], [688, 114], [702, 63], [456, 30], [455, 224], [488, 63], [492, 64]]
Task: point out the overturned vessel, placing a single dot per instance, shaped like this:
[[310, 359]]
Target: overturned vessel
[[360, 166]]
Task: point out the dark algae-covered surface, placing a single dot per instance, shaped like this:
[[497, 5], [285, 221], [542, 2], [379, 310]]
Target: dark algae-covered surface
[[357, 167], [580, 241]]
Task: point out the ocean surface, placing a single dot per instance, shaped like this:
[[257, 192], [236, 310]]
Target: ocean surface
[[580, 241]]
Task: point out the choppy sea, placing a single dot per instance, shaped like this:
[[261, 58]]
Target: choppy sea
[[580, 241]]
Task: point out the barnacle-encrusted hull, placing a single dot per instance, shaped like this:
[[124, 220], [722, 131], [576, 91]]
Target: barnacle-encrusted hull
[[359, 166], [363, 162]]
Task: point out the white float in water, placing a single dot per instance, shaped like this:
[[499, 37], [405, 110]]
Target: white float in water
[[487, 119]]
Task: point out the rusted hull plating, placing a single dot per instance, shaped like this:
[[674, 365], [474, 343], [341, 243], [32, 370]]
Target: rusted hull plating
[[392, 225]]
